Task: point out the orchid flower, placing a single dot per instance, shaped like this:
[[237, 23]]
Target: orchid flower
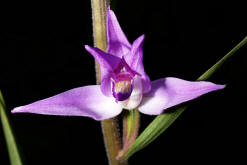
[[124, 84]]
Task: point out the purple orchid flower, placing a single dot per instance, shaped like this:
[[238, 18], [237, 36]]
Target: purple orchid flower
[[124, 84]]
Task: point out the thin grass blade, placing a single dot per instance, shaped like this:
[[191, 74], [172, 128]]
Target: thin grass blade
[[14, 154]]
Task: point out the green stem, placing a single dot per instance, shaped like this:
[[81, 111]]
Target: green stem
[[99, 8], [14, 154], [109, 127], [131, 123]]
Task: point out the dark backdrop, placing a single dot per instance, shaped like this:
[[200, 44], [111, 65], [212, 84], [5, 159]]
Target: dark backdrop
[[42, 54]]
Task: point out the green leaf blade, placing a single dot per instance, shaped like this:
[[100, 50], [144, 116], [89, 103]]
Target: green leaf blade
[[14, 154], [154, 129], [222, 61]]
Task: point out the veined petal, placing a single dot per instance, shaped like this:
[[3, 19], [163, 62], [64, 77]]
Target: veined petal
[[107, 64], [118, 44], [135, 61], [168, 92], [84, 101]]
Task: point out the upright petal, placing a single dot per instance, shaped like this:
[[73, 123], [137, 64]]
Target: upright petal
[[135, 61], [107, 64], [105, 60], [84, 101], [168, 92], [118, 44]]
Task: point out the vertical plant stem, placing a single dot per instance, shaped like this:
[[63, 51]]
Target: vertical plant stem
[[131, 123], [109, 127], [99, 8]]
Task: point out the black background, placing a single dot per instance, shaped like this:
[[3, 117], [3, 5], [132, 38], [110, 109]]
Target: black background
[[42, 54]]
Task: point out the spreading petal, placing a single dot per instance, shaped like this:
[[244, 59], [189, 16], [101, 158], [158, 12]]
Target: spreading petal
[[118, 44], [107, 64], [168, 92], [84, 101]]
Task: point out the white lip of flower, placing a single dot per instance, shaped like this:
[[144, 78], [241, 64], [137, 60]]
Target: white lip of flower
[[136, 95]]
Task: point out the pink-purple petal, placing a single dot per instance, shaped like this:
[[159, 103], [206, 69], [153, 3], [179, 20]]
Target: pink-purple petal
[[146, 83], [84, 101], [118, 44], [107, 64], [168, 92], [135, 60], [105, 60], [105, 85]]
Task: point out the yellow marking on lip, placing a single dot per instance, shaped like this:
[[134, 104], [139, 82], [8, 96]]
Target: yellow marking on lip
[[122, 86]]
